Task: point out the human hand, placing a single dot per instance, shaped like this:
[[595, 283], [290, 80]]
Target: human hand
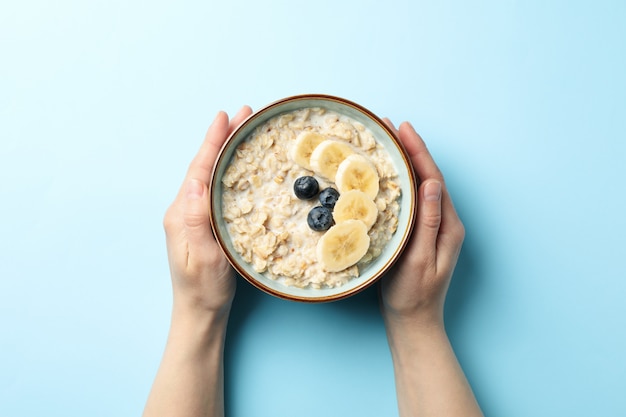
[[201, 275], [416, 287]]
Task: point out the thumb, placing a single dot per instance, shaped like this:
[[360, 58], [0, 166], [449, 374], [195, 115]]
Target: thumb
[[429, 218], [196, 214]]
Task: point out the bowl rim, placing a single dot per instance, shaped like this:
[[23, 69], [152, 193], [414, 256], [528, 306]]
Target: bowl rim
[[376, 275]]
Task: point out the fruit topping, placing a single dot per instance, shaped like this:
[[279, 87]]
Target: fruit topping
[[327, 156], [320, 218], [356, 205], [305, 188], [303, 147], [328, 197], [357, 173], [343, 245]]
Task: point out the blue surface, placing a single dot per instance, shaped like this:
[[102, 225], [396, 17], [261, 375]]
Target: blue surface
[[103, 104]]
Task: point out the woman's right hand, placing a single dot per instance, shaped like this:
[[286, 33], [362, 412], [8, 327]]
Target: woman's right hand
[[202, 279]]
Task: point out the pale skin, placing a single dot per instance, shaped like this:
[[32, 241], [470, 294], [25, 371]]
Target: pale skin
[[429, 379]]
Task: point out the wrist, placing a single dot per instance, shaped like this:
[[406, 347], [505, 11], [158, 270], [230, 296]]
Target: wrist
[[422, 317], [197, 328], [410, 335], [202, 303]]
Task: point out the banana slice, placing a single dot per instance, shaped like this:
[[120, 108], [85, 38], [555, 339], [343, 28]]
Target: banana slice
[[343, 245], [303, 147], [327, 156], [356, 205], [356, 172]]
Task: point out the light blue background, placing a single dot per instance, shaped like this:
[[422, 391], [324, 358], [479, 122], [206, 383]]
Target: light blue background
[[103, 104]]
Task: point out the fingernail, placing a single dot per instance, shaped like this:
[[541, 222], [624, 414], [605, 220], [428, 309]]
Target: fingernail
[[432, 191], [195, 189]]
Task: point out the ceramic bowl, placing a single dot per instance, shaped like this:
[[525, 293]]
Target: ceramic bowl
[[406, 179]]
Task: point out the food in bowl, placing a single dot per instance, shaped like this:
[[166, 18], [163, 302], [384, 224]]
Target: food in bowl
[[310, 198]]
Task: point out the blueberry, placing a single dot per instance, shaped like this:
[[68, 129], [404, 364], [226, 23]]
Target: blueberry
[[320, 218], [306, 187], [328, 197]]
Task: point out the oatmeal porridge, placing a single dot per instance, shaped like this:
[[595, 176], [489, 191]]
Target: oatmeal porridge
[[271, 227]]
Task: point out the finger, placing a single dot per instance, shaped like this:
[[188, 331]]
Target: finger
[[390, 125], [196, 219], [421, 159], [426, 168], [451, 233], [428, 221], [201, 166], [241, 115]]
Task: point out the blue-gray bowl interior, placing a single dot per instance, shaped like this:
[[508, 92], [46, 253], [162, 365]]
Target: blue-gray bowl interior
[[405, 178]]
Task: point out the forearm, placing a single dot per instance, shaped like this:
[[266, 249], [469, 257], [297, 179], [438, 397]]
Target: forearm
[[190, 379], [429, 379]]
